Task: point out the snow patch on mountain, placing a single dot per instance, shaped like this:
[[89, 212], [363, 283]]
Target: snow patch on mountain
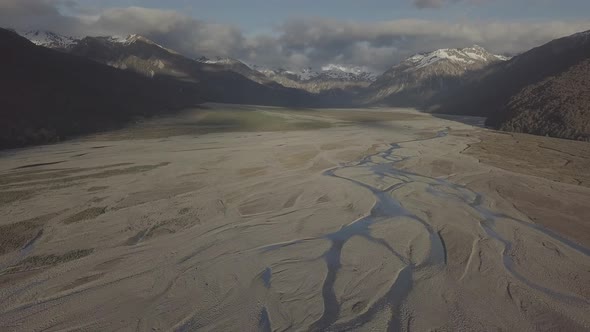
[[337, 71], [218, 60], [130, 39], [327, 72], [118, 39], [502, 57], [423, 60], [53, 40], [49, 39], [466, 56]]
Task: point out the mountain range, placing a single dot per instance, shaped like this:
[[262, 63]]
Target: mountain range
[[331, 77], [49, 39], [543, 91], [228, 82], [49, 95], [119, 51], [414, 81]]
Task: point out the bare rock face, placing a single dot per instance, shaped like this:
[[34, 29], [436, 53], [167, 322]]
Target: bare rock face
[[415, 80]]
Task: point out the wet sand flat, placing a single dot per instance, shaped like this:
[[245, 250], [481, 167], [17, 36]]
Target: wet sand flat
[[258, 218]]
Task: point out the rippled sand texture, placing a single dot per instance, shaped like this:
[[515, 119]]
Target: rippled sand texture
[[382, 219]]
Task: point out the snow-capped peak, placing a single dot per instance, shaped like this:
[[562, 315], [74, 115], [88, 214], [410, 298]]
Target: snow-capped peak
[[49, 39], [466, 56], [338, 71], [345, 69], [52, 40], [130, 39], [327, 72], [133, 38]]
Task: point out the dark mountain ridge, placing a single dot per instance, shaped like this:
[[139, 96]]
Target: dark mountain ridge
[[558, 106], [498, 91], [49, 95], [489, 90], [217, 83]]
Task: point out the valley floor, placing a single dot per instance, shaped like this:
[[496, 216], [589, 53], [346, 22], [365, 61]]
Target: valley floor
[[239, 218]]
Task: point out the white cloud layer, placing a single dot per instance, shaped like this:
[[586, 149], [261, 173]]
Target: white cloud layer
[[296, 43]]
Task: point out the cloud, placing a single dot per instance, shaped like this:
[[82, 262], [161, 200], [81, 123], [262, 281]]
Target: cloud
[[381, 44], [428, 3], [175, 30], [294, 44], [36, 14]]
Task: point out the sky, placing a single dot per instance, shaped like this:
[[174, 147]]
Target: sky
[[374, 34]]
